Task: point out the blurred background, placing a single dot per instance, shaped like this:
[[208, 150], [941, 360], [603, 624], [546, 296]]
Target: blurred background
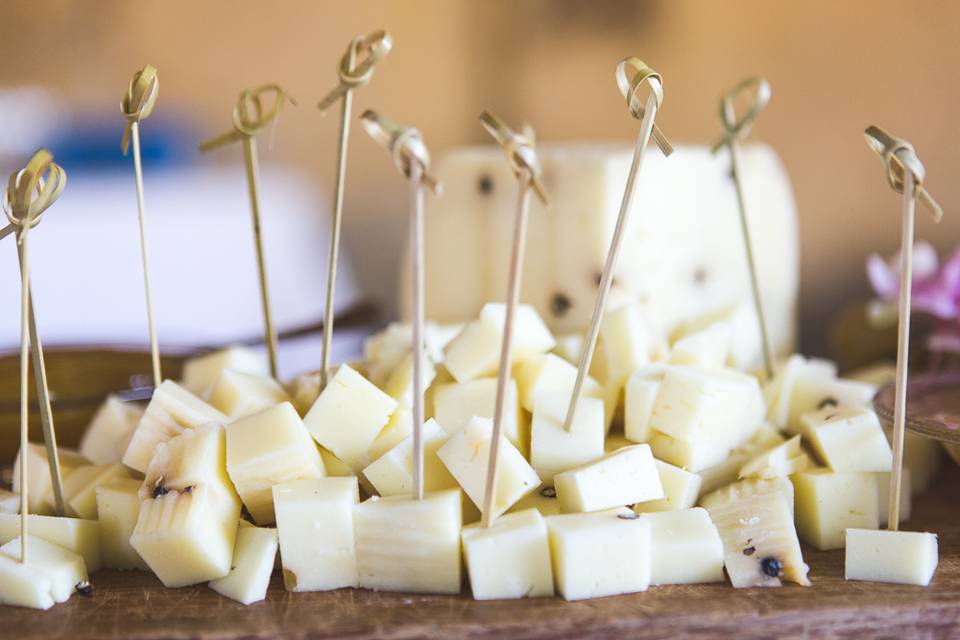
[[835, 67]]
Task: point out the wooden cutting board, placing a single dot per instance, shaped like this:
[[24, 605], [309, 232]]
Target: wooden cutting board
[[133, 606]]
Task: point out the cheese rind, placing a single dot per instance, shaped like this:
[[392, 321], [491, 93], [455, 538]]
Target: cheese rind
[[901, 557]]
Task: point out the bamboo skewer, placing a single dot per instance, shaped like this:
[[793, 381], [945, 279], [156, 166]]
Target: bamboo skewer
[[136, 104], [647, 115], [250, 116], [375, 46], [412, 159], [905, 174], [28, 196], [736, 130], [522, 157]]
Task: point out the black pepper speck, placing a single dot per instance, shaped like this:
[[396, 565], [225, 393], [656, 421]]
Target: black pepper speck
[[485, 185], [628, 516], [548, 492], [160, 490], [772, 567], [560, 304], [749, 551], [84, 588], [828, 402]]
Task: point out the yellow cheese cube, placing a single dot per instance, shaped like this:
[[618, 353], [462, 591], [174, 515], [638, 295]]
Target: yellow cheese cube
[[466, 455], [626, 476], [680, 490], [80, 485], [399, 385], [627, 342], [552, 374], [22, 585], [901, 557], [848, 439], [600, 554], [815, 392], [829, 503], [118, 506], [39, 484], [64, 568], [80, 536], [253, 558], [410, 545], [510, 559], [201, 373], [304, 391], [779, 391], [639, 396], [349, 415], [693, 457], [554, 449], [686, 547], [392, 473], [398, 427], [239, 394], [454, 404], [106, 438], [316, 529], [268, 448]]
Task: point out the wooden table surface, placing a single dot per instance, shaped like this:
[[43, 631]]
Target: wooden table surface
[[133, 605]]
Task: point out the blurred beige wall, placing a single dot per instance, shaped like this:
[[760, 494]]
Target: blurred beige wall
[[835, 67]]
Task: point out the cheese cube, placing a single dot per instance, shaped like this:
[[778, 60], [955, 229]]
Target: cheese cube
[[349, 415], [510, 559], [80, 536], [304, 391], [686, 547], [410, 545], [253, 558], [848, 439], [883, 496], [335, 467], [201, 373], [701, 405], [745, 352], [22, 585], [779, 462], [690, 456], [466, 455], [317, 536], [554, 449], [171, 410], [639, 396], [475, 352], [118, 506], [543, 500], [708, 348], [600, 554], [626, 476], [829, 503], [399, 385], [551, 374], [901, 557], [454, 404], [398, 427], [268, 448], [813, 393], [392, 473], [627, 342], [744, 489], [39, 484], [106, 438], [680, 490], [239, 394], [80, 486], [64, 568], [760, 544], [780, 390]]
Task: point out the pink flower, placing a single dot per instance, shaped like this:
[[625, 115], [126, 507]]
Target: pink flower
[[935, 289]]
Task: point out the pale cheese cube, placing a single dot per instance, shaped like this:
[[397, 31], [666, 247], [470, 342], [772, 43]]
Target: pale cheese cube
[[334, 466], [64, 568], [410, 545], [509, 559], [569, 347], [80, 486], [686, 547], [627, 341], [398, 427], [813, 393], [680, 490], [253, 558], [399, 385], [201, 373], [639, 396], [625, 477], [780, 391], [318, 543], [551, 374], [466, 455], [727, 471], [304, 391], [22, 585], [239, 394], [530, 333], [829, 503], [39, 483], [600, 554], [392, 473], [554, 449], [900, 557], [848, 439], [80, 536], [745, 489], [106, 438], [349, 415], [268, 448], [118, 506], [708, 348], [779, 462], [690, 456], [454, 404]]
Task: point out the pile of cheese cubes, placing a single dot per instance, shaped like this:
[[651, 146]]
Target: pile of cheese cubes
[[675, 468]]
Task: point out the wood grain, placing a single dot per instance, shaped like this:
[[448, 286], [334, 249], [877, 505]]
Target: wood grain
[[133, 605]]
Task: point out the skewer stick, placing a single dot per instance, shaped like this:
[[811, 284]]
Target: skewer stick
[[412, 159], [250, 116], [647, 115], [522, 157], [136, 104], [905, 174], [375, 46], [27, 196], [736, 130]]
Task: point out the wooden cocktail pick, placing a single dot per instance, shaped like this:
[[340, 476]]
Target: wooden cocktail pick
[[905, 175], [137, 103], [646, 113], [735, 131], [352, 76], [28, 195], [412, 160], [255, 109], [523, 159]]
